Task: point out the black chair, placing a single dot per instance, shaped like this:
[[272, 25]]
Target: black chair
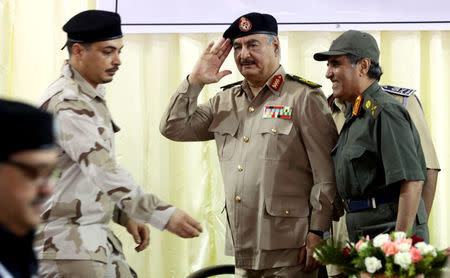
[[213, 270]]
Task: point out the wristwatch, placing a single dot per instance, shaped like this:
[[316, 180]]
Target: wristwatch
[[323, 235]]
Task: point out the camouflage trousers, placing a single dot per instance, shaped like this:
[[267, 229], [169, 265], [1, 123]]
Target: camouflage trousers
[[116, 267], [279, 272]]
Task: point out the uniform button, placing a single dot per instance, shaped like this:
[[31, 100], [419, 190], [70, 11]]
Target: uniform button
[[240, 169], [245, 139], [274, 130], [237, 198], [251, 109], [287, 212]]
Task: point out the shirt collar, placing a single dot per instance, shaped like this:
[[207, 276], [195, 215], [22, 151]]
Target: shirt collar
[[245, 87], [83, 86], [370, 91]]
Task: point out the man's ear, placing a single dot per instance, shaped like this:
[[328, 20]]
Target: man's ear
[[276, 45], [77, 49], [364, 66]]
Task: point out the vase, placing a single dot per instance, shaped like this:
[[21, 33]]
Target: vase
[[369, 275]]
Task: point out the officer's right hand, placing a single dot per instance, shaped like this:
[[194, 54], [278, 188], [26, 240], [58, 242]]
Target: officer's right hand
[[181, 224], [206, 70]]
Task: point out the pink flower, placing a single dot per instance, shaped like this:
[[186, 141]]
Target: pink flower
[[358, 244], [389, 248], [403, 244], [415, 255]]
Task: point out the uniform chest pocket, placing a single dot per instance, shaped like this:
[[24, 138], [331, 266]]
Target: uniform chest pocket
[[225, 135], [277, 139], [363, 163]]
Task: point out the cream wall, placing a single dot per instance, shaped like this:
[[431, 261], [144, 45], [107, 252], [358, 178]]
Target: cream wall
[[187, 174]]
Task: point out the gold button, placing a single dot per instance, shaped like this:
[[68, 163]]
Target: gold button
[[274, 130], [237, 198], [287, 212], [240, 169], [251, 109], [245, 139]]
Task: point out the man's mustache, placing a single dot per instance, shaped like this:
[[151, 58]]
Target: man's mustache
[[113, 69], [246, 62]]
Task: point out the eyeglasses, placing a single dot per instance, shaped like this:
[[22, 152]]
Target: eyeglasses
[[38, 174]]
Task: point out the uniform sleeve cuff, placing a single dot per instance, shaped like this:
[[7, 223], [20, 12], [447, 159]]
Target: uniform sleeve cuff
[[320, 222], [160, 218]]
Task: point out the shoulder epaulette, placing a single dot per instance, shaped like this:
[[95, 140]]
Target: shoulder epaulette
[[372, 106], [398, 90], [231, 85], [303, 81]]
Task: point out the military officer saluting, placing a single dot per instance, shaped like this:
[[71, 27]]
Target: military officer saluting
[[380, 167], [274, 134]]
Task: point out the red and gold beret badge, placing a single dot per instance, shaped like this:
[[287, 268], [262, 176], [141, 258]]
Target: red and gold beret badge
[[244, 24]]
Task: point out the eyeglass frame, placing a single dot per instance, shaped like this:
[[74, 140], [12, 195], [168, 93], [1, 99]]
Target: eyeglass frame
[[38, 175]]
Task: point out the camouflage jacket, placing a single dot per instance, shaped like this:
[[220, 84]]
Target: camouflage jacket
[[76, 218]]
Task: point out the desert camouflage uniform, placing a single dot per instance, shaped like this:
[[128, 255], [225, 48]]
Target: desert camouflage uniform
[[75, 223]]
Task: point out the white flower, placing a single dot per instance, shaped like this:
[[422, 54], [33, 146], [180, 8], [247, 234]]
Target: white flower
[[403, 259], [426, 249], [399, 235], [363, 246], [372, 264], [380, 239], [404, 247]]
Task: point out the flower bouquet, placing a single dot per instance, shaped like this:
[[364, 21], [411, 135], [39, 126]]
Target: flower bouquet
[[386, 255]]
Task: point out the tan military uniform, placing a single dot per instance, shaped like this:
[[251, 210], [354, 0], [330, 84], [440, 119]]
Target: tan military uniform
[[277, 171], [75, 222], [411, 102]]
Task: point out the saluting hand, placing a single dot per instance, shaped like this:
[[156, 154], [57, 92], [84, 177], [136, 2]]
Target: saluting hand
[[206, 70], [181, 224]]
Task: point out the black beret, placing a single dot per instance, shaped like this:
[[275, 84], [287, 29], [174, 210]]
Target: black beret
[[24, 127], [252, 23], [93, 26]]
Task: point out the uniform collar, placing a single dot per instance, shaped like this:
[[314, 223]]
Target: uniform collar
[[84, 87], [274, 84], [370, 91]]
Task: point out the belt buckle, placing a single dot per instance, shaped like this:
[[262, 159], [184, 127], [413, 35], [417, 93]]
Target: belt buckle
[[373, 202]]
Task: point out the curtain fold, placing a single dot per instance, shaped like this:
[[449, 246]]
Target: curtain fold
[[188, 174]]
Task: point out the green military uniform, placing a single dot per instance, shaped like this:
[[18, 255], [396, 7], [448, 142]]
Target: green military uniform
[[377, 149]]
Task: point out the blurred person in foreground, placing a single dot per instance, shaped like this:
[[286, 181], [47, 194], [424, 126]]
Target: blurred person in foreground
[[27, 169]]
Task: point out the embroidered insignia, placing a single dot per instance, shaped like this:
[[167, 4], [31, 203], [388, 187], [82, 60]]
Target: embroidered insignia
[[276, 82], [371, 106], [303, 81], [398, 90], [283, 112], [357, 106], [244, 24]]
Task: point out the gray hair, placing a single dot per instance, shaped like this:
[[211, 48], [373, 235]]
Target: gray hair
[[375, 70]]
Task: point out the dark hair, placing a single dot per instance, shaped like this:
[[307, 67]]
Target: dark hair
[[374, 72], [69, 45]]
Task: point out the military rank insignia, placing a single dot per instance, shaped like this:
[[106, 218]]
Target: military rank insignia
[[371, 106], [276, 82], [244, 24], [357, 106], [283, 112]]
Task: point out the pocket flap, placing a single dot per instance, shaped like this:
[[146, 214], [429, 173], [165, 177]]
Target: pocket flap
[[228, 125], [276, 126], [287, 206], [355, 151]]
